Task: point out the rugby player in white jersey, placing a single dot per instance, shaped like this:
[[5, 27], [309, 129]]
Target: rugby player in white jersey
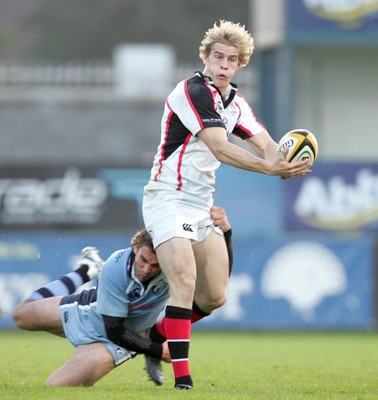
[[199, 115]]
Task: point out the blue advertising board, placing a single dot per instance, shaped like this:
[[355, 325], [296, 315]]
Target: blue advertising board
[[299, 283], [277, 283], [28, 261], [335, 197], [253, 202], [336, 19]]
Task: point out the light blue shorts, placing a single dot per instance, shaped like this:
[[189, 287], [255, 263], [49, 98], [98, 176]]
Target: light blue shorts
[[79, 330]]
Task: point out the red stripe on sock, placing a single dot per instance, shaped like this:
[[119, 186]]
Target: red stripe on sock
[[160, 326], [178, 329], [180, 368]]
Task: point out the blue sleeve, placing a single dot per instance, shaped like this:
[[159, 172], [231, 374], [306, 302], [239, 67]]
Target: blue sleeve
[[112, 285]]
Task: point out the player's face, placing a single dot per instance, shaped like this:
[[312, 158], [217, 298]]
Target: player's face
[[146, 264], [221, 65]]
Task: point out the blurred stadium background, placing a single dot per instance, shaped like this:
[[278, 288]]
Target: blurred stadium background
[[82, 87]]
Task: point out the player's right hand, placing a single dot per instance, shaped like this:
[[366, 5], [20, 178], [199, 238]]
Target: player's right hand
[[286, 170], [166, 356]]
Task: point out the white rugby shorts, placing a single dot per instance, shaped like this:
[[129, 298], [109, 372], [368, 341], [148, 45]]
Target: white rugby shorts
[[166, 218]]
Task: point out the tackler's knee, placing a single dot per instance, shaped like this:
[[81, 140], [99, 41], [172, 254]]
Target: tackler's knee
[[210, 303], [21, 316]]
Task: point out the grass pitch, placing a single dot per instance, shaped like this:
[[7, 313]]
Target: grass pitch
[[224, 365]]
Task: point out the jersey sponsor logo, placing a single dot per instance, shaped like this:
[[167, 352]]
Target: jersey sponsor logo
[[134, 294], [221, 111], [140, 306], [211, 120], [119, 255], [187, 227]]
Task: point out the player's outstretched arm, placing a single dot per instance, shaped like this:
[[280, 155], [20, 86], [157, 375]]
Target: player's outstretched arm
[[216, 140], [264, 145], [130, 340]]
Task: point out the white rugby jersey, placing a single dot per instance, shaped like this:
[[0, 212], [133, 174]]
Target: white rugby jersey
[[183, 163]]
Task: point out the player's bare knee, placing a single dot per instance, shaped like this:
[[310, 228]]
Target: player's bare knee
[[215, 303], [209, 304], [221, 301], [23, 316], [19, 316]]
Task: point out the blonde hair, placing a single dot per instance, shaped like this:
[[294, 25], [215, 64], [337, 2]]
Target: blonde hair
[[230, 34]]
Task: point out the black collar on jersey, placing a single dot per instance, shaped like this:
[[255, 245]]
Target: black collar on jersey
[[130, 263], [208, 80]]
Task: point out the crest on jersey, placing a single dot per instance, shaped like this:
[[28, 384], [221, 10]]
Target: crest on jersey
[[157, 287]]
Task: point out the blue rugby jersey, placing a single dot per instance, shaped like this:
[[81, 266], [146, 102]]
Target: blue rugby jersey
[[119, 293]]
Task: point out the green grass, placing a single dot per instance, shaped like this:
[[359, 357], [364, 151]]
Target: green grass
[[224, 365]]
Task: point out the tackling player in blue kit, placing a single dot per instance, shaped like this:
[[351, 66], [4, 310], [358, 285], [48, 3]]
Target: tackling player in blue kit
[[106, 323]]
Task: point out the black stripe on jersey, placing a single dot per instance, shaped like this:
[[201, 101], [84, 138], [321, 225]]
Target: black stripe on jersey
[[241, 132], [176, 135], [201, 98], [130, 263]]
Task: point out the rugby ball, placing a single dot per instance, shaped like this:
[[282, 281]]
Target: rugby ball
[[302, 145]]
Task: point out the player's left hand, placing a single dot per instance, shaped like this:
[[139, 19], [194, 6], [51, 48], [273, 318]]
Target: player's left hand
[[220, 218]]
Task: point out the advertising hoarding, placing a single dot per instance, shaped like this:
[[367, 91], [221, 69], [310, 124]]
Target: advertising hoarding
[[299, 283], [337, 20], [335, 197], [280, 283], [36, 198]]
